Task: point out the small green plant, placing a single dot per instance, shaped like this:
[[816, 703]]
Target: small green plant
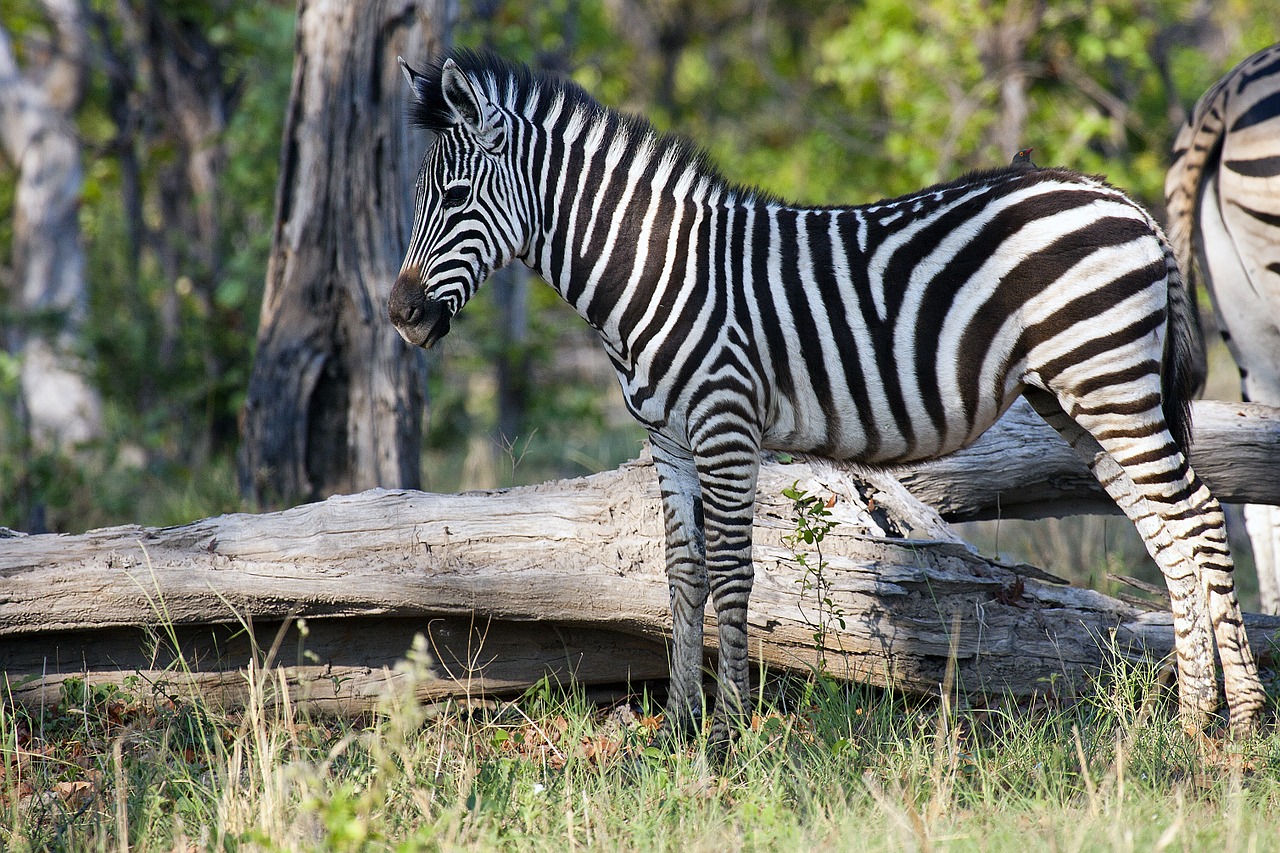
[[813, 521]]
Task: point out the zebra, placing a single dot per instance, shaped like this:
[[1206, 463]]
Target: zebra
[[1222, 196], [884, 334]]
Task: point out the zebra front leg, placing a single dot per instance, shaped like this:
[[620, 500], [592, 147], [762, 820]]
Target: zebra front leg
[[728, 501], [686, 583]]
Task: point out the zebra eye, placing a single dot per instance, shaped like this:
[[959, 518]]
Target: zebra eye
[[456, 195]]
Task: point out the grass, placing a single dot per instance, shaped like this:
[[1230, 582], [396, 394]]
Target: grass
[[822, 766]]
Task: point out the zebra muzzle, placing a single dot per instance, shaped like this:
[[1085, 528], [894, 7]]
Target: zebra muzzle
[[421, 321]]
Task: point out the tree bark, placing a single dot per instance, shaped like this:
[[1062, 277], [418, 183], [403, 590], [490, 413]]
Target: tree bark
[[62, 409], [335, 398], [562, 579], [1021, 468]]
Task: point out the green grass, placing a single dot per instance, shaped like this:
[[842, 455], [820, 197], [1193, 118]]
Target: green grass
[[823, 767]]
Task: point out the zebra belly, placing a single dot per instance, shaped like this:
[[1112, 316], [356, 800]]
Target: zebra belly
[[874, 438]]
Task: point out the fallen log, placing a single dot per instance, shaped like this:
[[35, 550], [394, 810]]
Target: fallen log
[[1021, 468], [560, 580]]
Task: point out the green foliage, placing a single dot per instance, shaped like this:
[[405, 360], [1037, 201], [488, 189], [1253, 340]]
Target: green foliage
[[193, 394], [883, 97]]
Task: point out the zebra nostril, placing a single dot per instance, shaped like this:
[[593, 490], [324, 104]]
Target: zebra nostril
[[413, 315]]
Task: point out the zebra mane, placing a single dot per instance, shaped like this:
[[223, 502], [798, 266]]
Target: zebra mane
[[531, 93]]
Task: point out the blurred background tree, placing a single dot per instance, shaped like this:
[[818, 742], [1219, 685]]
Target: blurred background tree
[[180, 126], [57, 411]]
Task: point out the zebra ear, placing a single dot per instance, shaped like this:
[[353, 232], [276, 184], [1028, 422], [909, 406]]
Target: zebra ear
[[425, 111], [469, 106], [409, 74]]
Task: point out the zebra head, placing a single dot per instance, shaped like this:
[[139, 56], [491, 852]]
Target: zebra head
[[466, 213]]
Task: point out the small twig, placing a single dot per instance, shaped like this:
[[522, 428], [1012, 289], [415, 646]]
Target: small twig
[[537, 728], [1141, 585]]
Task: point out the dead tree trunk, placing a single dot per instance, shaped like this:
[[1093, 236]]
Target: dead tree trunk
[[1021, 468], [334, 401], [563, 578]]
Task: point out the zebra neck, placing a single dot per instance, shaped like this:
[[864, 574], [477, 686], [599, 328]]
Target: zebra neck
[[621, 239]]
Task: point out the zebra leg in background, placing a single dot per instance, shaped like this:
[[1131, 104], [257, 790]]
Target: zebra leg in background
[[728, 479], [1260, 383], [1183, 528], [1233, 249], [686, 581], [1262, 522]]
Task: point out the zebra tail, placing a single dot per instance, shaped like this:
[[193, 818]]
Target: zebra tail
[[1197, 149], [1183, 372]]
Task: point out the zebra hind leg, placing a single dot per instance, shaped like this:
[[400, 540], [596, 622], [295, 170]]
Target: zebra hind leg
[[1136, 460], [687, 585]]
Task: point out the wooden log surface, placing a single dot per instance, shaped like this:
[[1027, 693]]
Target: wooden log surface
[[1021, 468], [559, 579]]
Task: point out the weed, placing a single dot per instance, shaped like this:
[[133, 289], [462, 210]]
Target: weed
[[813, 521]]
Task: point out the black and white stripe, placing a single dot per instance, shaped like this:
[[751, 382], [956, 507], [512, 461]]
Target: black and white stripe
[[885, 334], [1223, 198]]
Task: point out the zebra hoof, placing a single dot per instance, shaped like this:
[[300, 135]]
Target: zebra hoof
[[1245, 722], [1195, 720], [676, 731], [721, 739], [1243, 729]]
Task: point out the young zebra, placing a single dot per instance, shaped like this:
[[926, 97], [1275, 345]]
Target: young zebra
[[884, 334], [1223, 200]]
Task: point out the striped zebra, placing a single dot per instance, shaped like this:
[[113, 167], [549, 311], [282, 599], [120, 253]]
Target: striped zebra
[[884, 334], [1223, 199]]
